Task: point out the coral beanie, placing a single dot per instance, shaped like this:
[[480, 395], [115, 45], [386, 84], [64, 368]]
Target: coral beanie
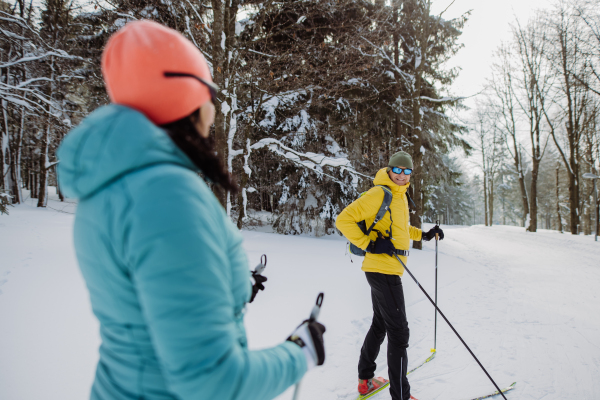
[[133, 66]]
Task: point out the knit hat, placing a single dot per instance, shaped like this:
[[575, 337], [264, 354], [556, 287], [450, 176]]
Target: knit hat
[[401, 159], [133, 65]]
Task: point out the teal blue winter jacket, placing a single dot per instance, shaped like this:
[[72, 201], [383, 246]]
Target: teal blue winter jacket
[[167, 275]]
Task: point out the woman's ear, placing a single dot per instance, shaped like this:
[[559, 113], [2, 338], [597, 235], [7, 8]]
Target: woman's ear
[[206, 119]]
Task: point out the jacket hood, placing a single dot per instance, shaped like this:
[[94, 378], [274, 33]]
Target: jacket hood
[[111, 142], [382, 178]]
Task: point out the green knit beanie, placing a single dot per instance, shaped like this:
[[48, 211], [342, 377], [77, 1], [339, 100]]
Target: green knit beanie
[[401, 159]]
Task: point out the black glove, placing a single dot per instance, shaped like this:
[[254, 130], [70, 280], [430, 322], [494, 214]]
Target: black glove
[[258, 284], [309, 336], [382, 246], [431, 234]]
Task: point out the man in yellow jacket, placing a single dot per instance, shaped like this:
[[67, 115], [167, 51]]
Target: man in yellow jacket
[[390, 236]]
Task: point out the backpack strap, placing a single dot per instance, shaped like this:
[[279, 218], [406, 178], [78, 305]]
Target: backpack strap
[[412, 207], [385, 207]]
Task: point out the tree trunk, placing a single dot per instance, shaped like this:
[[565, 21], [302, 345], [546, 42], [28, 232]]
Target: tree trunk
[[588, 226], [34, 190], [4, 149], [503, 210], [524, 199], [485, 198], [43, 162], [574, 195], [559, 217], [533, 195], [417, 143], [491, 199], [572, 132], [243, 196], [58, 191], [16, 199], [415, 218], [17, 160], [218, 55]]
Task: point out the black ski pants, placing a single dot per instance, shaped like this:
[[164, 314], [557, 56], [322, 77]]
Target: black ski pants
[[389, 316]]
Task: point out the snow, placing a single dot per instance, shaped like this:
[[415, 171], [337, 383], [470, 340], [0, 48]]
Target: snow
[[526, 304], [285, 99], [333, 147], [225, 108]]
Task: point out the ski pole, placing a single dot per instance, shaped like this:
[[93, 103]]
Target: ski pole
[[449, 324], [437, 223], [314, 314]]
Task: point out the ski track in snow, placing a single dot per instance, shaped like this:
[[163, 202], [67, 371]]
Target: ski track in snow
[[525, 303]]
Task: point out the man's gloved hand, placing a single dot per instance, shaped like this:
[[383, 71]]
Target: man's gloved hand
[[309, 336], [258, 284], [431, 233], [382, 246]]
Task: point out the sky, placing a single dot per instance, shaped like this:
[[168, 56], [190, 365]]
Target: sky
[[488, 26]]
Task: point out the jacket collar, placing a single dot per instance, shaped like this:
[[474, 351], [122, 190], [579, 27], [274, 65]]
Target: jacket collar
[[382, 178]]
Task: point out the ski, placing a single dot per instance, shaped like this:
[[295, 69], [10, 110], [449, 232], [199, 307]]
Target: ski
[[384, 386], [431, 357], [506, 389]]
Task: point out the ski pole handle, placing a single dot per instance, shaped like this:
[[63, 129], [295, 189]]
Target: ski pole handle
[[317, 308], [262, 265], [437, 225]]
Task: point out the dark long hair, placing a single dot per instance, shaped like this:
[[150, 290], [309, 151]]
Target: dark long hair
[[200, 150]]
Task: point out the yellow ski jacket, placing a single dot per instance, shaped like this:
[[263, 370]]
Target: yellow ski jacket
[[365, 208]]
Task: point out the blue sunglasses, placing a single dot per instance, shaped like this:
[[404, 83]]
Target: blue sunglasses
[[398, 170]]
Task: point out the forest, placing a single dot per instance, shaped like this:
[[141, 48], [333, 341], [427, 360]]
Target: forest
[[315, 96]]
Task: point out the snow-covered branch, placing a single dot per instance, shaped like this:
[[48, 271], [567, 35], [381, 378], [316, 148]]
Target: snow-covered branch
[[442, 100], [58, 53], [312, 161]]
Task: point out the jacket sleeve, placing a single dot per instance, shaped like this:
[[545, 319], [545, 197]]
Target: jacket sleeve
[[177, 258], [415, 233], [360, 209]]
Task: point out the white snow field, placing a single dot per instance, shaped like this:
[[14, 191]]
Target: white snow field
[[527, 304]]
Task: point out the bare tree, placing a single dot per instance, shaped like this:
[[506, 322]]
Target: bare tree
[[535, 85], [489, 140], [503, 82], [572, 98]]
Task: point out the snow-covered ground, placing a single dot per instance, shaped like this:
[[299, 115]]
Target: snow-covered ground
[[527, 304]]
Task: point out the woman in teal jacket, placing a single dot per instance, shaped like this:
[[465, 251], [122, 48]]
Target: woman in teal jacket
[[167, 275]]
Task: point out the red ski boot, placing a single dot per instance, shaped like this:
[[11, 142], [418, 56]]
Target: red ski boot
[[366, 386]]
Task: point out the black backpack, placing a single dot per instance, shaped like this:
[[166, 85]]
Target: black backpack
[[385, 207]]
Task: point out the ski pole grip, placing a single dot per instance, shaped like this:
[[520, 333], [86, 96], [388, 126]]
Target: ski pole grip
[[263, 264], [317, 308], [320, 299]]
